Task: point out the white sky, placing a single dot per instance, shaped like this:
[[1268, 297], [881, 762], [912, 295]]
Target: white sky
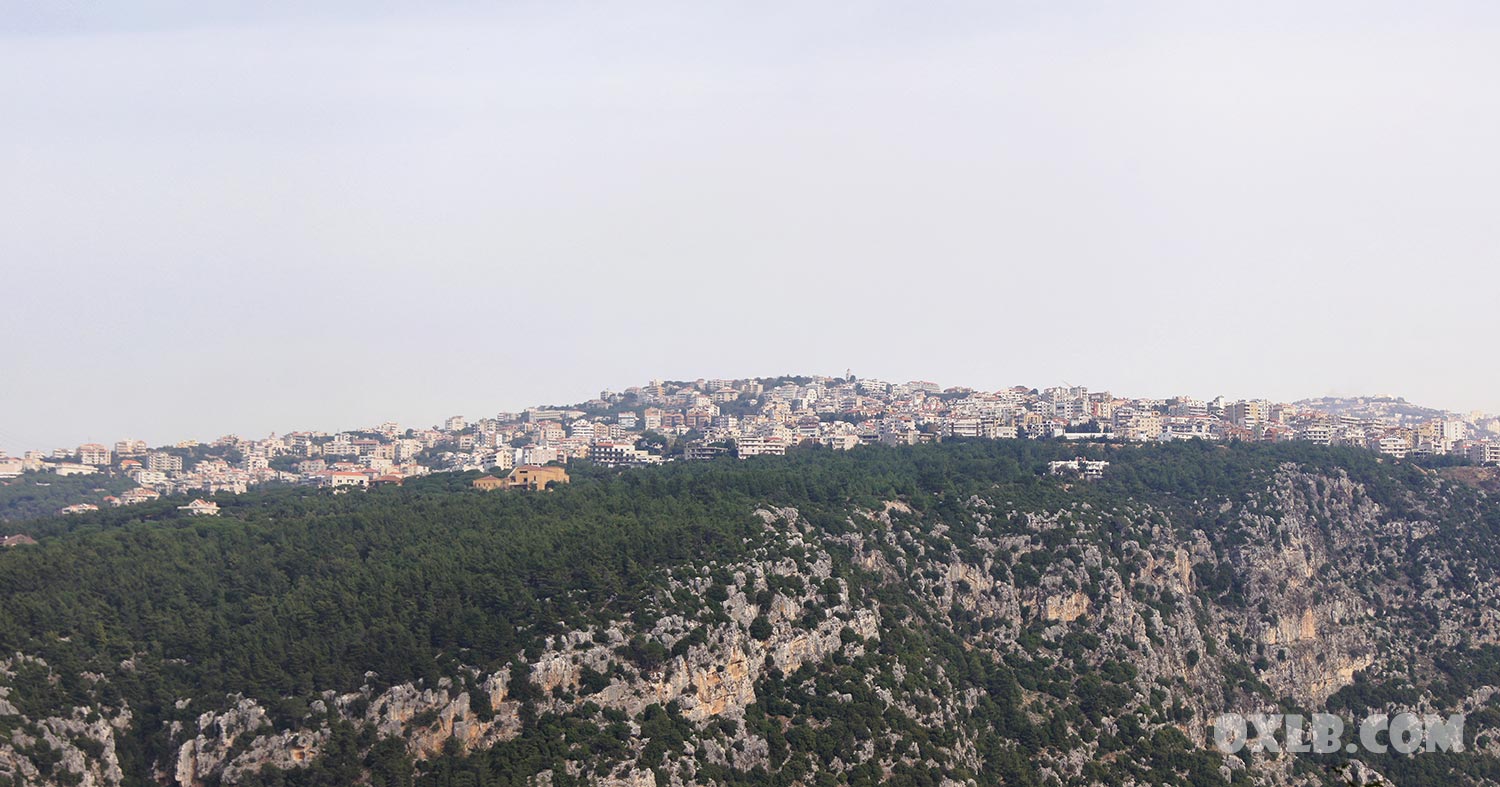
[[261, 218]]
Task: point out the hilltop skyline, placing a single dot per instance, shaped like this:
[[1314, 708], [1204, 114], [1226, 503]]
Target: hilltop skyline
[[349, 425], [783, 404], [705, 419]]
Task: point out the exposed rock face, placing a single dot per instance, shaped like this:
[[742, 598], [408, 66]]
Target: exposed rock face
[[1065, 609], [80, 748], [1358, 774], [711, 680], [1289, 593]]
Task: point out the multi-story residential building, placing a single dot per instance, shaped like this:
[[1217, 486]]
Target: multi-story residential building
[[379, 464], [1184, 406], [538, 455], [1084, 467], [1101, 407], [1393, 444], [843, 441], [151, 478], [93, 454], [406, 449], [1320, 432], [611, 454], [699, 451], [11, 467], [1004, 432], [300, 442], [1188, 428], [962, 427], [341, 445], [748, 446], [503, 457], [130, 448], [311, 466], [581, 429], [701, 417], [1249, 413], [1450, 432], [344, 478], [1143, 425], [1485, 452]]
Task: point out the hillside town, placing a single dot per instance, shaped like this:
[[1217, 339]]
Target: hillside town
[[709, 418]]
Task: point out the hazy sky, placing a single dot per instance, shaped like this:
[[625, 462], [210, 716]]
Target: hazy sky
[[261, 218]]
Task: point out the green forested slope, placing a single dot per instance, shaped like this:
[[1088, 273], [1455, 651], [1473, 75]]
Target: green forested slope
[[294, 593]]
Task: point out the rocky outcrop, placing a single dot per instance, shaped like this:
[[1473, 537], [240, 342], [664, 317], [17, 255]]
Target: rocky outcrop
[[79, 748], [1164, 615], [713, 679], [1065, 608]]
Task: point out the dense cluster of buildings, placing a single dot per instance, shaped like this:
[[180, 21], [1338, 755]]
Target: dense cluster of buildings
[[705, 419]]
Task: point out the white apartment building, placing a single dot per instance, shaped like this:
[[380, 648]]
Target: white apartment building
[[93, 454], [759, 446], [164, 462], [130, 447], [581, 429], [538, 455], [151, 478], [1392, 445], [1084, 467], [343, 478], [1450, 432], [10, 467], [379, 464], [340, 446], [611, 454], [1320, 433]]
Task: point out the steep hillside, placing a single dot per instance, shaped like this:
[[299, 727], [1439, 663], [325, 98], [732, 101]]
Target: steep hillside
[[925, 615]]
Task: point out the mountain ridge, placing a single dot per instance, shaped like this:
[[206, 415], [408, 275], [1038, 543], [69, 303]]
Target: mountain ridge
[[929, 614]]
